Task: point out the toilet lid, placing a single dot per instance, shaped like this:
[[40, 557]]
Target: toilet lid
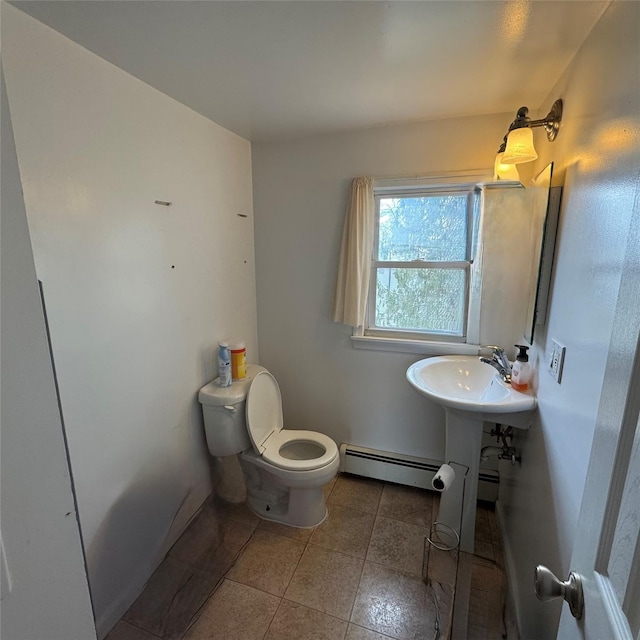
[[263, 410]]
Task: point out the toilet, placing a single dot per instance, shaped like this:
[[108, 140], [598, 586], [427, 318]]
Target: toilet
[[285, 469]]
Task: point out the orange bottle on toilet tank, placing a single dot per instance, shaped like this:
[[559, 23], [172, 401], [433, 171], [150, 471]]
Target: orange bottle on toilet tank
[[238, 360]]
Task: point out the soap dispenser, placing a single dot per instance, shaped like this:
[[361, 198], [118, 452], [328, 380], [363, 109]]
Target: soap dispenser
[[521, 370]]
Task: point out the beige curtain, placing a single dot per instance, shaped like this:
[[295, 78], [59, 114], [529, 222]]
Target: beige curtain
[[354, 270]]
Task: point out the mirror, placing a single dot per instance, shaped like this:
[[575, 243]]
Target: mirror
[[544, 224]]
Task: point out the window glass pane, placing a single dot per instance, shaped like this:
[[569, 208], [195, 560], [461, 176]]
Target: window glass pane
[[430, 228], [421, 299]]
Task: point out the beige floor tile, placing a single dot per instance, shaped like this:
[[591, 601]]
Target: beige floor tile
[[394, 604], [295, 622], [345, 530], [485, 612], [443, 597], [239, 512], [325, 580], [362, 494], [494, 526], [211, 545], [499, 555], [485, 577], [496, 536], [172, 596], [125, 631], [217, 562], [328, 488], [267, 562], [478, 607], [235, 612], [360, 633], [483, 533], [235, 534], [442, 565], [204, 532], [475, 632], [398, 545], [324, 596], [485, 510], [408, 504], [295, 533], [487, 600], [482, 561], [483, 524], [484, 550]]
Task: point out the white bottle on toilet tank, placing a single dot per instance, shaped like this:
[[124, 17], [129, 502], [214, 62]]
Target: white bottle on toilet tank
[[224, 365]]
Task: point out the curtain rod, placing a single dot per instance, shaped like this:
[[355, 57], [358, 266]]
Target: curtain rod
[[433, 176]]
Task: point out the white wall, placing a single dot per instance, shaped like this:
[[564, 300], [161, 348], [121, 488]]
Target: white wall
[[137, 294], [300, 194], [45, 593], [597, 157]]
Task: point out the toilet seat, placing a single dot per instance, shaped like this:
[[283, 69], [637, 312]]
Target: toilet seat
[[284, 448], [282, 444]]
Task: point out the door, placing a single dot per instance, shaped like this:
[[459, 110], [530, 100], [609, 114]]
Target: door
[[43, 580], [606, 554]]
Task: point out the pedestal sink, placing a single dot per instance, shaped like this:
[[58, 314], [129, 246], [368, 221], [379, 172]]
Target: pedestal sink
[[471, 393]]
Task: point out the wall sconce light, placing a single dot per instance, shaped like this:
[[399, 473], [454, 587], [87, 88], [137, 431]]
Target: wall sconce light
[[517, 146], [503, 171]]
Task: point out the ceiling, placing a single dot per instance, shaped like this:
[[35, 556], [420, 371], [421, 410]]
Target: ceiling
[[274, 70]]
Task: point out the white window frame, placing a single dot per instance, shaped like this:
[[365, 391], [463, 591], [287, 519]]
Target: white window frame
[[416, 341]]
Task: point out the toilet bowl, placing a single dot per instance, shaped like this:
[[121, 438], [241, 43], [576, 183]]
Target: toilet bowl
[[285, 469]]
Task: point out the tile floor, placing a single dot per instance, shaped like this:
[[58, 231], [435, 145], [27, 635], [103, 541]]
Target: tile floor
[[357, 576]]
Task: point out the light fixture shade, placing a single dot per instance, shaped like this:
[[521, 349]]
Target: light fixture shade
[[519, 147], [503, 171]]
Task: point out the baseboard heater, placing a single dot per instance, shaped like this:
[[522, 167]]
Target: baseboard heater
[[407, 470]]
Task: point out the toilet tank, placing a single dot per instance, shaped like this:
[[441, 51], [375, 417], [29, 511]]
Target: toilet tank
[[223, 410]]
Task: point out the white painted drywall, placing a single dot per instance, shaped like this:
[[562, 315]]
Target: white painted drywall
[[137, 294], [300, 194], [357, 63], [597, 156], [45, 593]]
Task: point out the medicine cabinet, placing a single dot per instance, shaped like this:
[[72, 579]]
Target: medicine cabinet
[[544, 224]]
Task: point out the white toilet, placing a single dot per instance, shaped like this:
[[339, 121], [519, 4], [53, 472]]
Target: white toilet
[[285, 470]]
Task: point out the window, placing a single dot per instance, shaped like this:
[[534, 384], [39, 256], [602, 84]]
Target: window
[[421, 263]]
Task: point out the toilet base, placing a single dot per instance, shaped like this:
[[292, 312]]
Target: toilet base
[[292, 498], [300, 511]]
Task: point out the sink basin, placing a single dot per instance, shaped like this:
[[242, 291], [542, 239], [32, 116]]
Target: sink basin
[[467, 384], [471, 393]]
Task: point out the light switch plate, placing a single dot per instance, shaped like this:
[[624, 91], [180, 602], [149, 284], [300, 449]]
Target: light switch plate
[[556, 360]]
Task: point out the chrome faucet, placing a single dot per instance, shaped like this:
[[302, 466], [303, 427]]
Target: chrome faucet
[[499, 361]]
